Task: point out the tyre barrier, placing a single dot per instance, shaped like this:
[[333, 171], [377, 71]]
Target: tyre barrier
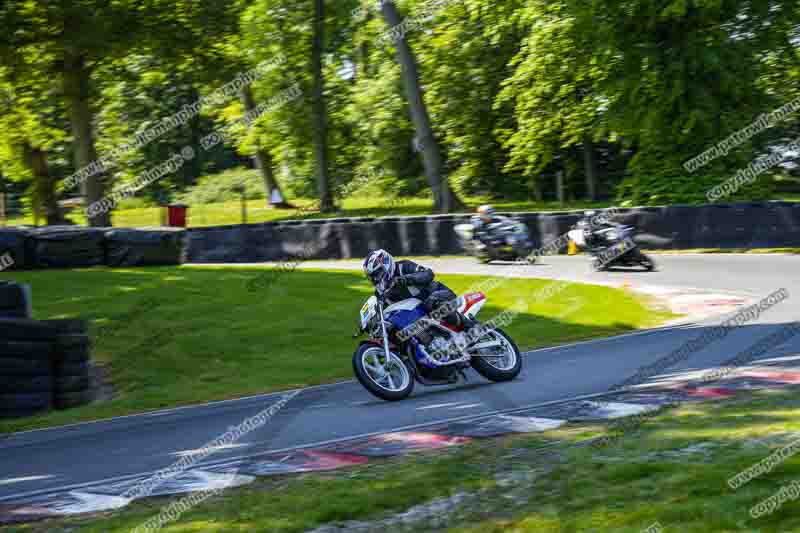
[[133, 247], [78, 247], [14, 300], [13, 242], [67, 247], [43, 364], [744, 225]]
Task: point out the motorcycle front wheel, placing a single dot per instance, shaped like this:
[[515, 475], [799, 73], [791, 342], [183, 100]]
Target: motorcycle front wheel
[[388, 379], [647, 262]]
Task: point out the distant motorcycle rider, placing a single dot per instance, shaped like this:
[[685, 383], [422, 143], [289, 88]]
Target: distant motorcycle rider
[[484, 222], [592, 224], [401, 280]]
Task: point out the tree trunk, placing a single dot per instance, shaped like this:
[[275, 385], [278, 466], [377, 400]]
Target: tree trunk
[[444, 200], [2, 200], [76, 91], [320, 113], [44, 186], [263, 159], [589, 169]]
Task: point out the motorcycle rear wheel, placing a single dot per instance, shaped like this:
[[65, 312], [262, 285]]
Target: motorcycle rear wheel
[[647, 262], [492, 369]]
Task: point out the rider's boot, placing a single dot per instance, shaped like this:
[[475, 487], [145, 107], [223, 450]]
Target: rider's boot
[[470, 332]]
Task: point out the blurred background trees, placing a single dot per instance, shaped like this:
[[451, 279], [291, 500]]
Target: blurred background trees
[[444, 99]]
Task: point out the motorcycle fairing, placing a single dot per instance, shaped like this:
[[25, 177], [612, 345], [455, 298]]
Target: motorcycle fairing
[[471, 304]]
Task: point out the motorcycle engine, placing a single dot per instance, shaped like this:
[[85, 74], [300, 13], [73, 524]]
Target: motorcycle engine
[[437, 346], [439, 349]]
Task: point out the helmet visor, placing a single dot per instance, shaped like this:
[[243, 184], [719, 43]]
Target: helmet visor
[[377, 276]]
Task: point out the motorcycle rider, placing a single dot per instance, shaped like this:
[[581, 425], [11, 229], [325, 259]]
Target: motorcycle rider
[[404, 279], [483, 222], [591, 224]]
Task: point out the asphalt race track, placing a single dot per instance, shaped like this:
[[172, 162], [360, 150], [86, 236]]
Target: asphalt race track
[[89, 455]]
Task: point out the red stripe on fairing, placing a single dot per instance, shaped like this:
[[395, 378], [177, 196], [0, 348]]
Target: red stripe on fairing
[[473, 299]]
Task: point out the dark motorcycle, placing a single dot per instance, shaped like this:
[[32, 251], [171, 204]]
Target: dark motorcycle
[[613, 246], [507, 240]]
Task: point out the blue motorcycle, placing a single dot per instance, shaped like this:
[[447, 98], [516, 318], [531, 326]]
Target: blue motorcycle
[[405, 345]]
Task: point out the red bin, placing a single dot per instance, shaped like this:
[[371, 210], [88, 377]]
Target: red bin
[[176, 215]]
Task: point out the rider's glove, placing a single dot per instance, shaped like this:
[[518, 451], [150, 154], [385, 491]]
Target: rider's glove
[[400, 282]]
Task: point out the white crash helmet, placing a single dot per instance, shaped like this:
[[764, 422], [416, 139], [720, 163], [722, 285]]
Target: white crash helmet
[[486, 212], [379, 266]]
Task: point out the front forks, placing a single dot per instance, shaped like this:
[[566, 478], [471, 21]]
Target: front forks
[[384, 333]]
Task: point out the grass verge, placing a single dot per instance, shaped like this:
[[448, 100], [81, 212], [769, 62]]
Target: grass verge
[[671, 470], [180, 335]]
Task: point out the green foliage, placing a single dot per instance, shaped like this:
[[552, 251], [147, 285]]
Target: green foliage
[[216, 188], [465, 56], [517, 91], [665, 189]]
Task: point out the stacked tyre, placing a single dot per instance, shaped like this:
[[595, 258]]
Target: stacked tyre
[[27, 379], [72, 370], [13, 300]]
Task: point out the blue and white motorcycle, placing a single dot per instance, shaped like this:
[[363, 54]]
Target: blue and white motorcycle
[[404, 344]]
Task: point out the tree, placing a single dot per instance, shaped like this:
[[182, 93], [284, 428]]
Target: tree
[[464, 53], [263, 159], [443, 198], [682, 76], [320, 113], [556, 94], [31, 128], [80, 35]]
